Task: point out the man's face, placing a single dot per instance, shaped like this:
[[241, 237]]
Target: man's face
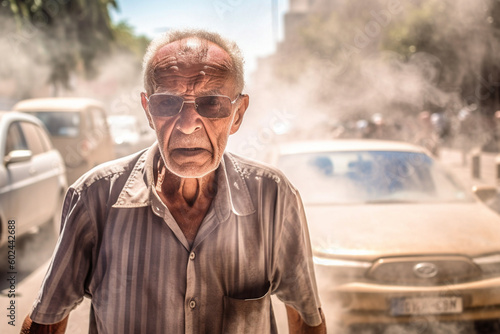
[[192, 145]]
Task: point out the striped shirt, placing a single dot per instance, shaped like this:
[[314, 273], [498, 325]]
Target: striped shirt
[[121, 247]]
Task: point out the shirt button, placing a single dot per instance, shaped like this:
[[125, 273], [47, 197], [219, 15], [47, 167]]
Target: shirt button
[[192, 304], [192, 256]]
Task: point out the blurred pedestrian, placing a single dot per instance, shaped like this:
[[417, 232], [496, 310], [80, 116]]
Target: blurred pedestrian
[[183, 237]]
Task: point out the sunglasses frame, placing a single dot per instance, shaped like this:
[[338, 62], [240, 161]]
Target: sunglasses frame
[[191, 101]]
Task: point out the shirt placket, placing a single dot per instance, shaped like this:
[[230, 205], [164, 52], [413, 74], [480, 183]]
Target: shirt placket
[[191, 299], [191, 302]]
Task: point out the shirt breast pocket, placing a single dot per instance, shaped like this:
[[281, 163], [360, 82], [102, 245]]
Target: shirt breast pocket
[[248, 316]]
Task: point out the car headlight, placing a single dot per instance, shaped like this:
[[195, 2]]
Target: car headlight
[[489, 264]]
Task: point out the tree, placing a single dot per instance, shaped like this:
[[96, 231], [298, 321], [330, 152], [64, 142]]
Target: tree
[[419, 54], [455, 32], [66, 35], [126, 40]]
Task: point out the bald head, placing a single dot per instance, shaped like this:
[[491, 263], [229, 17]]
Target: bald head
[[191, 62], [196, 52]]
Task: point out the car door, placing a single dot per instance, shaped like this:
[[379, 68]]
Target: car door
[[45, 169], [16, 193]]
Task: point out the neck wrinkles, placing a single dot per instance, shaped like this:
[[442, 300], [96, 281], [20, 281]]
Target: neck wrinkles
[[188, 190]]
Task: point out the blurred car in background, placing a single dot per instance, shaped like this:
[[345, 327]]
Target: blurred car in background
[[78, 128], [32, 176], [129, 135], [396, 240]]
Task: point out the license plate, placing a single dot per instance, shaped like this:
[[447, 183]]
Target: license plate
[[426, 305]]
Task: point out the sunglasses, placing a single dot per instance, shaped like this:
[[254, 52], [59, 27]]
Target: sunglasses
[[212, 106]]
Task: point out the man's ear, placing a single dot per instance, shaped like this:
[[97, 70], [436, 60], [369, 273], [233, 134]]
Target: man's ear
[[238, 116], [144, 103]]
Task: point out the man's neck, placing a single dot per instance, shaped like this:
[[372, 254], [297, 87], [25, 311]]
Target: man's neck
[[187, 199], [189, 190]]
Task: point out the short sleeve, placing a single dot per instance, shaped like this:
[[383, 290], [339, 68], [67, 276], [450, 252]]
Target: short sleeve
[[63, 287], [294, 281]]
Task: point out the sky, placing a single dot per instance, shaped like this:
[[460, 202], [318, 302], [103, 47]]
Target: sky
[[248, 22]]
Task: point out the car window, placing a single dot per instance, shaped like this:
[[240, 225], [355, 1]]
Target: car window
[[370, 177], [30, 132], [44, 138], [15, 139], [60, 123]]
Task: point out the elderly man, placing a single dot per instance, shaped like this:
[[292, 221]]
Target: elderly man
[[183, 238]]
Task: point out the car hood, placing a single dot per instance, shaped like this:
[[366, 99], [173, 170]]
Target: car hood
[[367, 232]]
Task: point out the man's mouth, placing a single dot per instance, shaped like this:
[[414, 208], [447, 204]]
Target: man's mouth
[[189, 151]]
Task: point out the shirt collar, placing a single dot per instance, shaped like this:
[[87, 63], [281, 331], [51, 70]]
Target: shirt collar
[[232, 194]]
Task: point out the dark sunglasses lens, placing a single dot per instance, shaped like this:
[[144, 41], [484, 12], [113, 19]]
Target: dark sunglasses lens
[[164, 105], [213, 106]]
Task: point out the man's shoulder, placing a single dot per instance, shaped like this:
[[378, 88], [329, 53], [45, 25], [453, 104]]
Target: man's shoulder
[[108, 171], [251, 169]]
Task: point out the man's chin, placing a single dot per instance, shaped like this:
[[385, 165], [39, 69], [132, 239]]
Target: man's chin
[[191, 170]]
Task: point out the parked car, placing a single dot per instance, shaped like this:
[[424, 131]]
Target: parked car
[[129, 135], [32, 176], [78, 129], [396, 240]]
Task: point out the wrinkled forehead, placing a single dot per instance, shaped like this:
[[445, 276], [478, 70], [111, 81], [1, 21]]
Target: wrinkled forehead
[[189, 58]]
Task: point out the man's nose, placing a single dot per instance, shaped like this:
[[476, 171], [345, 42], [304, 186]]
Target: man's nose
[[189, 120]]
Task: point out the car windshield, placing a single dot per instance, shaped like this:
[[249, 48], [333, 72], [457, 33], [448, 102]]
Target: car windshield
[[370, 177], [60, 123]]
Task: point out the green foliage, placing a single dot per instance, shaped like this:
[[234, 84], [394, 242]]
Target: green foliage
[[440, 46], [67, 37], [71, 34], [415, 32], [126, 39], [457, 32]]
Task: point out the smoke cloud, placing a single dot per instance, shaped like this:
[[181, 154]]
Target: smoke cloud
[[354, 62]]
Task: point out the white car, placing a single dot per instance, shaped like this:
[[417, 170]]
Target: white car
[[396, 240], [32, 176], [78, 129]]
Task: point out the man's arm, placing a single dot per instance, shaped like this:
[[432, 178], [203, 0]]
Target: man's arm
[[30, 327], [297, 326]]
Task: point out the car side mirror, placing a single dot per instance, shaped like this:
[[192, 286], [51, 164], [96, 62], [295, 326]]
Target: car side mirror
[[485, 193], [17, 156]]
